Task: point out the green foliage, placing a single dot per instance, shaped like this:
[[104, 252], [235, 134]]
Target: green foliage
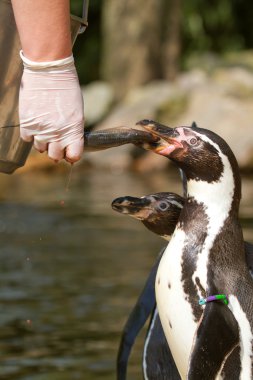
[[217, 26], [210, 26], [87, 48]]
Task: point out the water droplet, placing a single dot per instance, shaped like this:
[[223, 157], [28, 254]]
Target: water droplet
[[69, 178]]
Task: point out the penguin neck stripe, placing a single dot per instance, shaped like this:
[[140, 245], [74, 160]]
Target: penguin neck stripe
[[216, 297]]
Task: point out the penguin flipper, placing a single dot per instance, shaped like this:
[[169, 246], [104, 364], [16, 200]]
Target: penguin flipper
[[143, 308], [216, 336], [232, 367], [158, 362]]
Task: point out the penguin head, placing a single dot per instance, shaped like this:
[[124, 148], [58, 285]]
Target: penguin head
[[198, 152], [159, 212]]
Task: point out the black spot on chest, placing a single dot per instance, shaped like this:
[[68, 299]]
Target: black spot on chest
[[194, 222]]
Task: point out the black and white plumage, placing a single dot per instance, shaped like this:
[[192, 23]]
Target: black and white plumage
[[159, 212], [205, 257]]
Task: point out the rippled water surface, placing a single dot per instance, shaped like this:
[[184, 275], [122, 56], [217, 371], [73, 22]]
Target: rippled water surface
[[71, 269]]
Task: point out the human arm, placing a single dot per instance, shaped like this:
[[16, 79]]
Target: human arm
[[50, 103]]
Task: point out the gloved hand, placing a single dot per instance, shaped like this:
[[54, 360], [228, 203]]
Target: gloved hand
[[51, 108]]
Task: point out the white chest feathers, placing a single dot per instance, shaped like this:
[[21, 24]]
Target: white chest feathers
[[175, 311]]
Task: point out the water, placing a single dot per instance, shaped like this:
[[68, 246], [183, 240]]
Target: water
[[71, 269]]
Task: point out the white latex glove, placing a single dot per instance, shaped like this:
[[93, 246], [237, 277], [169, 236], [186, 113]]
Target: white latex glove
[[51, 108]]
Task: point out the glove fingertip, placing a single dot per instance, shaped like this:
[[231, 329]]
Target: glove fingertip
[[74, 151], [25, 136]]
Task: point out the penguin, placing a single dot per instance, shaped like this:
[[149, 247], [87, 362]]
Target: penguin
[[204, 259], [159, 212]]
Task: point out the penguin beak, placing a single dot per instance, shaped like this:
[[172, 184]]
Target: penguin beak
[[136, 207], [168, 137]]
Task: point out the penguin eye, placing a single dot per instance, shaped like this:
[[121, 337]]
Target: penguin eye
[[163, 206], [194, 141]]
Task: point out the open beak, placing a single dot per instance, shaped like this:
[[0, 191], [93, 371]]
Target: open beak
[[169, 138]]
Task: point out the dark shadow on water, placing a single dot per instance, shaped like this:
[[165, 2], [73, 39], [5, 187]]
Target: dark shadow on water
[[71, 270]]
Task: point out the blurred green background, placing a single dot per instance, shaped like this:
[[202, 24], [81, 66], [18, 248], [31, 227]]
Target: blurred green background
[[195, 26]]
